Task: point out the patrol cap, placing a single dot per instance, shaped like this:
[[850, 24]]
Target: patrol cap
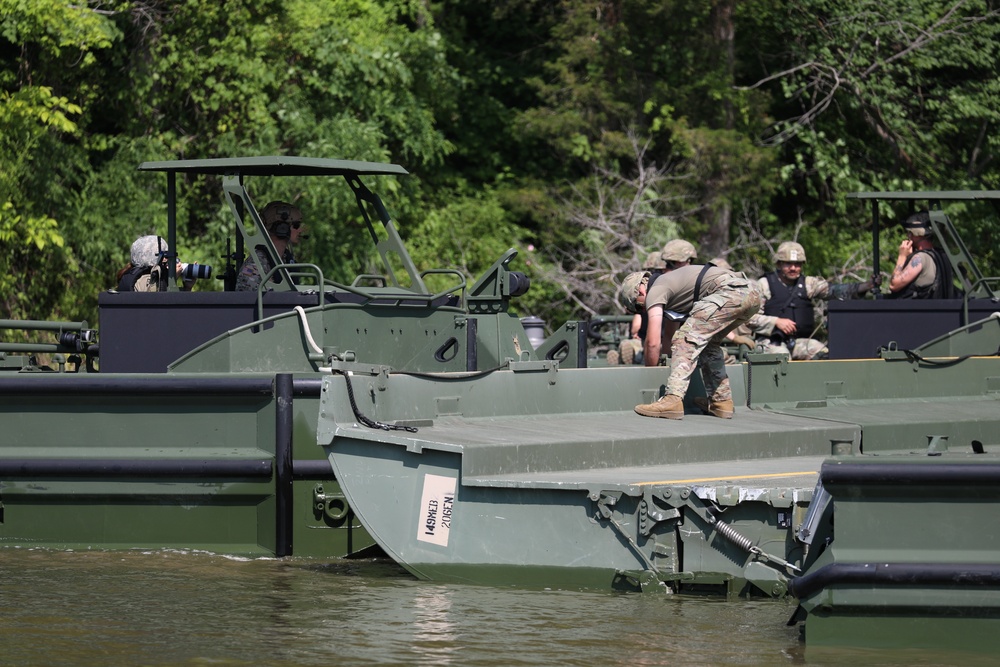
[[146, 250], [918, 224], [790, 251], [630, 289], [654, 260], [280, 211], [678, 250]]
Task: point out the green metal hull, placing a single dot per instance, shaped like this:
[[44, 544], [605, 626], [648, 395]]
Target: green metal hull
[[546, 478], [183, 462]]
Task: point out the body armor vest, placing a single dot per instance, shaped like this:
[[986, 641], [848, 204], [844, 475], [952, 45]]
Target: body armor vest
[[791, 302]]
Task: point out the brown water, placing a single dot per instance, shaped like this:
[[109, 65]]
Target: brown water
[[173, 608]]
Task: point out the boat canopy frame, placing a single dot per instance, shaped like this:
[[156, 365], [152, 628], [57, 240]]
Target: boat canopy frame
[[233, 172], [964, 267]]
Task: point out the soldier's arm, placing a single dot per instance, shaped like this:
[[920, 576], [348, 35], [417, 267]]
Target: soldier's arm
[[905, 273], [654, 331]]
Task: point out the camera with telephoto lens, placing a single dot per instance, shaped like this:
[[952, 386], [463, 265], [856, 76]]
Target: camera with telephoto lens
[[196, 271]]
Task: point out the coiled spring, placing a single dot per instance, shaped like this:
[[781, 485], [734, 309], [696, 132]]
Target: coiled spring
[[731, 534]]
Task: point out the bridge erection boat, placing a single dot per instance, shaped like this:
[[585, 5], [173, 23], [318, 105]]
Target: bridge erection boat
[[324, 419], [866, 488]]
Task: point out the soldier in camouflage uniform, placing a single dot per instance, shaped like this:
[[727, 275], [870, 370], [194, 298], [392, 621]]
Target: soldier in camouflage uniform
[[629, 348], [283, 223], [787, 319], [716, 302]]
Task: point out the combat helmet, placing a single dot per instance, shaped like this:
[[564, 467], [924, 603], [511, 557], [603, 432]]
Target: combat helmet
[[146, 250], [722, 263], [279, 217], [918, 224], [678, 250], [790, 251], [654, 261], [630, 289]]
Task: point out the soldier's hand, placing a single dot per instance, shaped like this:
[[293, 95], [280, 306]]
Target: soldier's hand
[[745, 340], [785, 325]]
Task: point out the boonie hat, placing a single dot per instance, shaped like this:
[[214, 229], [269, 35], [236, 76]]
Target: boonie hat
[[678, 250], [630, 289], [146, 250], [918, 224]]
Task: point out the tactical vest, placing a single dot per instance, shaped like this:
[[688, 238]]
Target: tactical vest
[[943, 286], [130, 277], [791, 302]]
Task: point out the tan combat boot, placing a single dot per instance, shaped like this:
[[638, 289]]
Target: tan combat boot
[[613, 358], [669, 407], [723, 409]]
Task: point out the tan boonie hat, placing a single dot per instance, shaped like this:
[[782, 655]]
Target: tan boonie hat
[[630, 289], [146, 250], [678, 250], [654, 260], [790, 251]]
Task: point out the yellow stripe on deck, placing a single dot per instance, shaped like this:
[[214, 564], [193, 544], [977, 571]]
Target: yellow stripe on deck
[[732, 477]]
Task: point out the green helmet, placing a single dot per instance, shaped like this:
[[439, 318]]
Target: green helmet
[[630, 289], [790, 251], [678, 250]]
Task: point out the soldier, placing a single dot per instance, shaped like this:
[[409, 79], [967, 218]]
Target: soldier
[[283, 223], [678, 252], [788, 318], [716, 302], [147, 267], [922, 271], [630, 349]]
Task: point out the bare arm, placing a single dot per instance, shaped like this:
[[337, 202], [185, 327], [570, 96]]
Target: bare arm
[[654, 328], [635, 326], [905, 271]]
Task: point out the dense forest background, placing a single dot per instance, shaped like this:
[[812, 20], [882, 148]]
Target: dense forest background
[[583, 133]]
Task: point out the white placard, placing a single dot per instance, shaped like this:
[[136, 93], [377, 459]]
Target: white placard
[[436, 504]]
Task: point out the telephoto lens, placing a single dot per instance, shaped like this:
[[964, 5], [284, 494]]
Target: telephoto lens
[[196, 271]]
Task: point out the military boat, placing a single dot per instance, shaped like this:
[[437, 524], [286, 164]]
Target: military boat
[[862, 487], [326, 419], [188, 421]]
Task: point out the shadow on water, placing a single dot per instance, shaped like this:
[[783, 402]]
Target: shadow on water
[[184, 608]]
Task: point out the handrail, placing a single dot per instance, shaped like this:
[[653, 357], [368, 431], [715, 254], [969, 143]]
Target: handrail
[[968, 295], [460, 286], [262, 287], [43, 325]]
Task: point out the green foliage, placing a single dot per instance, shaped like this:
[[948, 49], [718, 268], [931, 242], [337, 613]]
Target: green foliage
[[521, 123]]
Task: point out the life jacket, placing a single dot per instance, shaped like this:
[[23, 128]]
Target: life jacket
[[791, 302], [943, 286]]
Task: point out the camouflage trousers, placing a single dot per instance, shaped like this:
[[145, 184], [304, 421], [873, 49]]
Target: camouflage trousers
[[803, 349], [728, 303]]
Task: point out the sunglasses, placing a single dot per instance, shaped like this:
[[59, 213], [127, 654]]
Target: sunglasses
[[296, 224]]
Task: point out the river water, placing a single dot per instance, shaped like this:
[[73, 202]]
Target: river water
[[181, 608]]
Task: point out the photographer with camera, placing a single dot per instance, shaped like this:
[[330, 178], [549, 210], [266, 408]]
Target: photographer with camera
[[283, 222], [147, 270]]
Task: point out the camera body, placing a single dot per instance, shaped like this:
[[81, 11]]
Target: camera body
[[195, 271]]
